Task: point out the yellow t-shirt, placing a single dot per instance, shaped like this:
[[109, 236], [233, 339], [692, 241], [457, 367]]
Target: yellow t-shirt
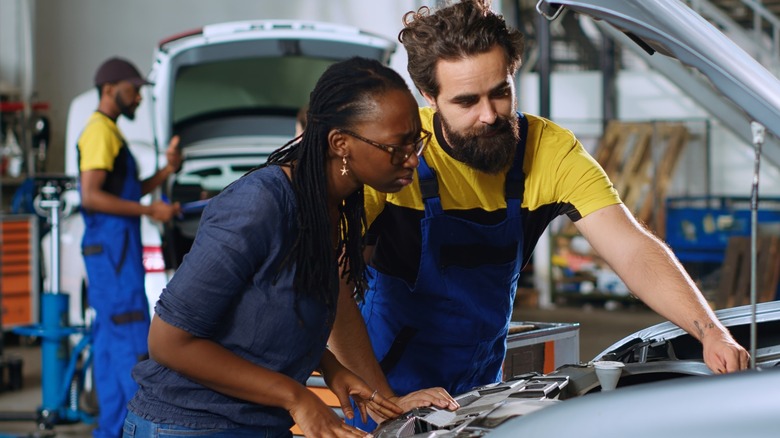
[[99, 143], [560, 178]]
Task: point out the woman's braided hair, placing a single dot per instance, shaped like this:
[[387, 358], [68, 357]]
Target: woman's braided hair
[[347, 93]]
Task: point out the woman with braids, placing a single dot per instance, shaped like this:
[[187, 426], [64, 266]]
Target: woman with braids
[[245, 320]]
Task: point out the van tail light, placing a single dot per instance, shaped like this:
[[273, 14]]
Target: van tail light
[[153, 259]]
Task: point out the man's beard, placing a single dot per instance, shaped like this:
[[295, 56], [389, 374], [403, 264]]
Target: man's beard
[[125, 109], [488, 154]]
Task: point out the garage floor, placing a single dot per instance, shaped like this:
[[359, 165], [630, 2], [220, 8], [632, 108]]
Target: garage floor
[[598, 329]]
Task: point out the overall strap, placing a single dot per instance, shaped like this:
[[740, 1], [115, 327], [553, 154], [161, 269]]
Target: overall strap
[[429, 187], [515, 179]]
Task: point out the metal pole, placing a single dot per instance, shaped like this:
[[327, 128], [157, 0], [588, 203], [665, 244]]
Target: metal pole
[[50, 199], [544, 65], [758, 139], [608, 81]]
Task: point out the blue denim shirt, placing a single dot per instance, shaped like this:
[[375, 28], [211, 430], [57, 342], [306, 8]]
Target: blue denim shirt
[[229, 289]]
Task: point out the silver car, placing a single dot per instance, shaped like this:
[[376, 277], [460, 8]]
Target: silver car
[[664, 389]]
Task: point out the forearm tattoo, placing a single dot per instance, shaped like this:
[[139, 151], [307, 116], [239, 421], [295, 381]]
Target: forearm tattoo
[[700, 329]]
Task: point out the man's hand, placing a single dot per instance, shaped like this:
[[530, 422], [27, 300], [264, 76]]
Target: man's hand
[[722, 354], [162, 211], [173, 154], [423, 398], [438, 397]]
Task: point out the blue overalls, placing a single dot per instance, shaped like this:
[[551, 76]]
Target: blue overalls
[[112, 252], [449, 328]]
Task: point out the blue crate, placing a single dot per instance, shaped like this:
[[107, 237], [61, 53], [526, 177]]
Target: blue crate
[[698, 228]]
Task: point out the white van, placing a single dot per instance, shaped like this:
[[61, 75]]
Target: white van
[[231, 91]]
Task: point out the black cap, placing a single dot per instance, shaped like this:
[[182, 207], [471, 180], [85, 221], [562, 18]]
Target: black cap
[[115, 70]]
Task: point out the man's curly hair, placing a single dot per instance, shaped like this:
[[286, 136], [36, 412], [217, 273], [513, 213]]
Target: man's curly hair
[[454, 32]]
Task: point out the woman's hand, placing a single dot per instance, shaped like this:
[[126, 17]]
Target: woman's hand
[[346, 385], [315, 418]]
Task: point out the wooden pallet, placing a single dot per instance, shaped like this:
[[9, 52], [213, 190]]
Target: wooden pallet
[[626, 154], [640, 160], [734, 285]]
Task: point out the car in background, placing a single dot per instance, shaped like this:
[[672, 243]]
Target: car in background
[[665, 389], [231, 91]]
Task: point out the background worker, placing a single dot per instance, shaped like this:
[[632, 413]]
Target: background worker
[[110, 203], [448, 250]]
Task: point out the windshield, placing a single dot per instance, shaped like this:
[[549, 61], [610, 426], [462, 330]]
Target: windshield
[[268, 85]]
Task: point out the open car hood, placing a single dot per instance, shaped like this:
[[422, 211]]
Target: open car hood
[[671, 28], [248, 78]]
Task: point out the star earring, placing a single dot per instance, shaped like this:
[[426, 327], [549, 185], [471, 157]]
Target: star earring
[[344, 169]]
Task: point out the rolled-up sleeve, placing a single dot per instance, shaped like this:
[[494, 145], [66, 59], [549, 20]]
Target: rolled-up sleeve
[[238, 231]]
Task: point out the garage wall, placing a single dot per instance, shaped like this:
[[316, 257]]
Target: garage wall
[[11, 40], [71, 38]]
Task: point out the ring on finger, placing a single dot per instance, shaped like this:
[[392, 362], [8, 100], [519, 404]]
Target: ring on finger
[[373, 395]]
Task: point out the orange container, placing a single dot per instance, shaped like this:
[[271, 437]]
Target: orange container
[[19, 274]]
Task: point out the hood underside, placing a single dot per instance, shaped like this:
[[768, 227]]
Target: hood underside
[[671, 28]]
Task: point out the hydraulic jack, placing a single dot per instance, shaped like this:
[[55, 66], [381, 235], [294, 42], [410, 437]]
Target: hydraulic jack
[[63, 368]]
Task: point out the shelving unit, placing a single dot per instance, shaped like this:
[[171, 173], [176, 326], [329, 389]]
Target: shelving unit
[[17, 117], [20, 278]]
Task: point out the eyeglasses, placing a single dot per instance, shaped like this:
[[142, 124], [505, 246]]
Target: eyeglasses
[[399, 153]]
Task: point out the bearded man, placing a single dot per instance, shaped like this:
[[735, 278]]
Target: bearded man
[[446, 252]]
